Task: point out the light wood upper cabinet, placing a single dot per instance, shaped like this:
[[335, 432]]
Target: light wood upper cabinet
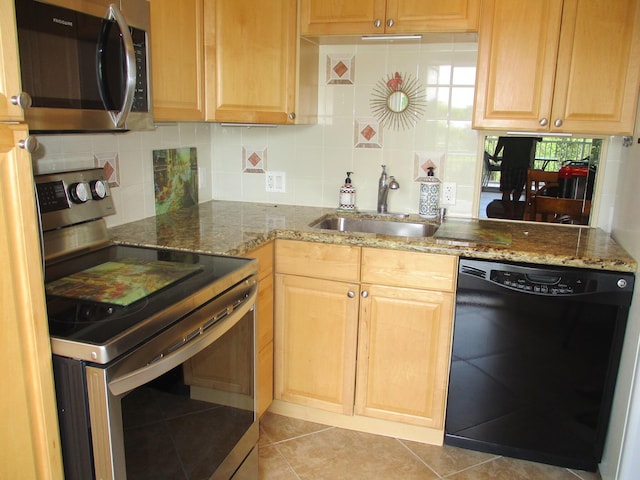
[[367, 17], [10, 84], [558, 66], [177, 58], [257, 69]]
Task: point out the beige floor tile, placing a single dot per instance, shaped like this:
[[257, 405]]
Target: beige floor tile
[[272, 465], [338, 454], [446, 460], [276, 428], [587, 475], [511, 469]]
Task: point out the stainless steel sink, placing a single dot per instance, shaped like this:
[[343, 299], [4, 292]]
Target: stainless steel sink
[[370, 225]]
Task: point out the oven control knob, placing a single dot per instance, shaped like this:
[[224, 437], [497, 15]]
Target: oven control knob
[[98, 189], [79, 192]]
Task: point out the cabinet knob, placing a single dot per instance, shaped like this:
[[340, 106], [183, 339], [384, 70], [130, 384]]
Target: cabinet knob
[[351, 294], [30, 144], [557, 123], [543, 122], [390, 22], [292, 116], [365, 294], [22, 100], [377, 23]]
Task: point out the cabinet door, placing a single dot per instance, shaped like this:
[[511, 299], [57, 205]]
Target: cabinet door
[[347, 17], [598, 71], [177, 43], [9, 65], [315, 342], [264, 326], [255, 61], [404, 345], [517, 51], [29, 439], [415, 16]]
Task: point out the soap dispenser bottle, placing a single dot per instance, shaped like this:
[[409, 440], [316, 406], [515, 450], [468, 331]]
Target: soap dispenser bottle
[[347, 194], [429, 195]]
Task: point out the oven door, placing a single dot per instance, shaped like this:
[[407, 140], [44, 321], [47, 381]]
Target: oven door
[[182, 406]]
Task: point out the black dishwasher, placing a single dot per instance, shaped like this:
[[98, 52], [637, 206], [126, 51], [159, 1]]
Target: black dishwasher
[[535, 359]]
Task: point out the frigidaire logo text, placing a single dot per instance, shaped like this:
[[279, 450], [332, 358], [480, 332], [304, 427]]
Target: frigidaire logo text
[[66, 23]]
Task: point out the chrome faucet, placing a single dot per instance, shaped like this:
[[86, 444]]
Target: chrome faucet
[[384, 185]]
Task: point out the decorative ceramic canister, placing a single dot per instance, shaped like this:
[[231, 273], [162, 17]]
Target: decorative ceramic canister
[[429, 195]]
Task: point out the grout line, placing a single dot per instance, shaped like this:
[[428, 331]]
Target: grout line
[[302, 436], [286, 460], [473, 466], [418, 457]]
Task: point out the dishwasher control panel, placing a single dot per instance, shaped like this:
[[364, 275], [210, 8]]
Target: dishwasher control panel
[[540, 283]]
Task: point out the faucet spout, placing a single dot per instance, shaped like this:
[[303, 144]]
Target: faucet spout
[[385, 183]]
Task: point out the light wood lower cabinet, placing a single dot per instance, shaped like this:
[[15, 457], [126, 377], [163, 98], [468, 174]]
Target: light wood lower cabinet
[[264, 326], [404, 342], [226, 368], [316, 332], [400, 331]]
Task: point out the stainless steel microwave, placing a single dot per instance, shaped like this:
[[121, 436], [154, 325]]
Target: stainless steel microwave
[[85, 65]]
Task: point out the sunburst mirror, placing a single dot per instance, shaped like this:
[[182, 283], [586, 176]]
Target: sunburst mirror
[[397, 101]]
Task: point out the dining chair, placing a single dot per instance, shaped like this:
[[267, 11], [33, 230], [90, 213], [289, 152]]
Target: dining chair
[[539, 182], [561, 210]]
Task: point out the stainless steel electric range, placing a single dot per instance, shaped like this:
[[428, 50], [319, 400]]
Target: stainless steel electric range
[[153, 349]]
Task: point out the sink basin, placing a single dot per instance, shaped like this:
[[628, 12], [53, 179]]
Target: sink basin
[[370, 225]]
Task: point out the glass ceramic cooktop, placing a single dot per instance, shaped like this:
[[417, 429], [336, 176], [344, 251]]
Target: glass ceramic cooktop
[[99, 296]]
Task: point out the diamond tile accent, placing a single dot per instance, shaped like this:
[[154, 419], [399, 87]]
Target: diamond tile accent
[[340, 69], [110, 163], [254, 160], [424, 160], [368, 133]]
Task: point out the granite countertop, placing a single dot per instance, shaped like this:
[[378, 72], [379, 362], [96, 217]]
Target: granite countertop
[[234, 228]]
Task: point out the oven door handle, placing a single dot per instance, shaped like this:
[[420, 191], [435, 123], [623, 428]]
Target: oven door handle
[[154, 369]]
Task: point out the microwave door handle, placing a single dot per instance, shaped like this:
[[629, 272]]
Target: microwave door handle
[[149, 372], [119, 118]]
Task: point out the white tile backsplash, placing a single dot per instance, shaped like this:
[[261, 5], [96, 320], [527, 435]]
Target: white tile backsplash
[[134, 198], [316, 157]]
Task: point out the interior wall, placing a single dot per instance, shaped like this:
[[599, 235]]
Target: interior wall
[[132, 155], [620, 459], [316, 158]]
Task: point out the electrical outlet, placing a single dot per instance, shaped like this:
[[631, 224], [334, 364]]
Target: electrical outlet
[[275, 182], [448, 193]]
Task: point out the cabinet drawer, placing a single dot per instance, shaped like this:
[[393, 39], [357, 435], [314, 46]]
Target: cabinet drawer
[[319, 260], [425, 271]]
